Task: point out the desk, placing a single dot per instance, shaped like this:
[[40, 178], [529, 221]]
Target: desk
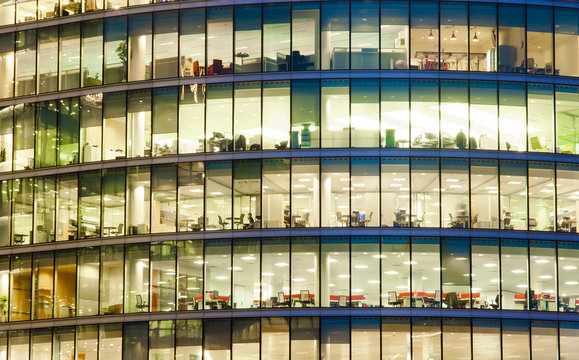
[[108, 230], [304, 303], [546, 305]]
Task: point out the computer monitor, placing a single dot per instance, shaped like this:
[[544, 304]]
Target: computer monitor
[[304, 295], [572, 303], [362, 216], [342, 301], [392, 297], [280, 297], [437, 296]]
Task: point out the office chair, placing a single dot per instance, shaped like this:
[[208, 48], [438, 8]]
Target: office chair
[[239, 221], [451, 300], [140, 303], [222, 223]]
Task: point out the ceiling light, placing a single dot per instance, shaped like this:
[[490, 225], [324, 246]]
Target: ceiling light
[[430, 35], [518, 271], [475, 38], [453, 37]]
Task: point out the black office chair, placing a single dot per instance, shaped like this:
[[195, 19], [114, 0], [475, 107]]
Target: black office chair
[[222, 223], [141, 305], [239, 222], [451, 300]]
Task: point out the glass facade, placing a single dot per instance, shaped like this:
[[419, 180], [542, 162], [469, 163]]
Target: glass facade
[[381, 179]]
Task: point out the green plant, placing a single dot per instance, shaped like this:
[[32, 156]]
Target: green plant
[[3, 305], [121, 52]]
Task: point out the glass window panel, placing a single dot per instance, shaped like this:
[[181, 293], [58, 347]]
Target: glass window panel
[[455, 254], [335, 338], [305, 38], [305, 192], [541, 196], [110, 341], [140, 47], [163, 257], [305, 114], [166, 44], [70, 7], [425, 193], [335, 273], [24, 132], [395, 192], [6, 56], [136, 278], [25, 63], [365, 37], [540, 40], [541, 118], [335, 193], [45, 209], [483, 37], [139, 123], [20, 287], [335, 35], [88, 282], [4, 293], [365, 272], [65, 284], [116, 63], [188, 335], [48, 54], [275, 338], [305, 338], [425, 272], [218, 275], [5, 212], [67, 216], [135, 341], [22, 211], [485, 277], [567, 191], [566, 41], [138, 200], [543, 276], [192, 119], [165, 121], [91, 127], [93, 5], [219, 118], [46, 133], [90, 204], [511, 38], [513, 187], [275, 280], [456, 338], [365, 113], [246, 260], [220, 44], [19, 342], [453, 36], [275, 193], [42, 285], [246, 194], [248, 38], [190, 203], [395, 272], [162, 340], [192, 42], [41, 344], [515, 339], [189, 275], [424, 114], [455, 193], [217, 339], [87, 341], [7, 12], [365, 190], [276, 37], [394, 34], [304, 272], [514, 263], [512, 116], [483, 115], [114, 125], [454, 111], [70, 55], [68, 130], [247, 120], [568, 333], [426, 338], [218, 192], [485, 332], [335, 113], [424, 35], [567, 116], [396, 337], [276, 114], [113, 202], [394, 111], [568, 261], [245, 338]]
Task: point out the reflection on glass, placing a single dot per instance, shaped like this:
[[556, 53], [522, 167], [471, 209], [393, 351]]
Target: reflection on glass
[[513, 195], [453, 36], [276, 37], [425, 193], [305, 193], [512, 116], [514, 283], [335, 36], [511, 38], [218, 191], [483, 37], [424, 35]]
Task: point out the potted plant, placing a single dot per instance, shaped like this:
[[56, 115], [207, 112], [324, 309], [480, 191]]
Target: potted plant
[[3, 307]]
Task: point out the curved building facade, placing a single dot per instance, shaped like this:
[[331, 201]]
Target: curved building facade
[[233, 180]]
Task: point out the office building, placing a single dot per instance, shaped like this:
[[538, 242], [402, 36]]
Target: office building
[[215, 180]]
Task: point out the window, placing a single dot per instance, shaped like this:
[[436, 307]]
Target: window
[[365, 37], [541, 196], [512, 116], [365, 113], [540, 40], [165, 120], [394, 35], [305, 337], [91, 127], [485, 332], [456, 336], [248, 39], [425, 195], [88, 281], [335, 35], [46, 134], [365, 191], [247, 116], [513, 187], [192, 119], [22, 210], [7, 56], [305, 192], [218, 191], [515, 287], [455, 193], [567, 187], [396, 338], [426, 338], [138, 200], [335, 272], [455, 256], [136, 282], [483, 37], [43, 285], [245, 338], [188, 338], [166, 44], [115, 69], [275, 191], [220, 40], [395, 269], [566, 44], [246, 277], [453, 36], [335, 183], [218, 266], [304, 274], [511, 38], [365, 272], [515, 333], [69, 55], [454, 114], [190, 202], [113, 202], [275, 338], [140, 47], [485, 275], [305, 101], [424, 114], [276, 114], [90, 204], [394, 113], [395, 192], [189, 276], [426, 272], [163, 257], [246, 194], [24, 132], [114, 125], [335, 337], [567, 100], [48, 67], [68, 131], [483, 115], [276, 37], [164, 198], [219, 116], [543, 276], [139, 123], [305, 33], [65, 286], [541, 118], [424, 35], [544, 339], [67, 213], [44, 212], [275, 280], [192, 42], [162, 340]]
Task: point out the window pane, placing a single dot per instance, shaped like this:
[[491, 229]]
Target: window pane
[[91, 112], [7, 54], [395, 337], [275, 338], [424, 114], [453, 36], [19, 344], [425, 272], [541, 196], [485, 332], [41, 344], [566, 44], [568, 333], [115, 50], [88, 282], [365, 272], [139, 123], [454, 193], [365, 113], [512, 116], [305, 100], [305, 338], [48, 67], [246, 194], [541, 117], [395, 272], [485, 275], [305, 282], [483, 115], [22, 211], [514, 262], [246, 260], [5, 212], [25, 62], [365, 190], [67, 223], [136, 278], [305, 34], [247, 39], [188, 334], [190, 275], [513, 185], [90, 204], [275, 281], [276, 114], [43, 285], [111, 280], [365, 38], [305, 193], [395, 113], [218, 191], [162, 340], [218, 275], [165, 121], [135, 341], [247, 121], [245, 338], [515, 333], [110, 341], [483, 35], [336, 193], [335, 265], [7, 13], [275, 189], [540, 38], [394, 35], [335, 35], [87, 341], [335, 337], [217, 339], [543, 276], [68, 131], [395, 192], [511, 38], [114, 125], [276, 37], [568, 261], [46, 136], [20, 287], [424, 35], [113, 202], [425, 193], [70, 56], [45, 210], [65, 287], [166, 44], [163, 257], [456, 338], [567, 108], [567, 187], [138, 200], [454, 111], [455, 253], [24, 115], [219, 118], [426, 338], [192, 42], [190, 202], [192, 119], [220, 44], [140, 47]]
